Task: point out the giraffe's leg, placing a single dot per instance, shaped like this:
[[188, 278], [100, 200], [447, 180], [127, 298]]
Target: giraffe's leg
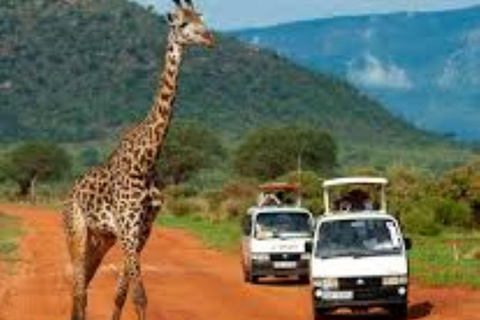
[[87, 250], [132, 244], [139, 294], [76, 233], [130, 273], [97, 246], [121, 292]]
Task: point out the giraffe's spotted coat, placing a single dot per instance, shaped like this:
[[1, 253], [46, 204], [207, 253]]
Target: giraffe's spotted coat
[[119, 200]]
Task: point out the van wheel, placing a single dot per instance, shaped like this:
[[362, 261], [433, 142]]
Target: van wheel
[[248, 277], [304, 279], [399, 312], [320, 313], [253, 279]]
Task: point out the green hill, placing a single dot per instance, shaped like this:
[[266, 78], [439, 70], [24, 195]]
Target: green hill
[[73, 71]]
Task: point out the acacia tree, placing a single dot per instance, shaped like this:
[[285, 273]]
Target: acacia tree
[[188, 149], [35, 161], [267, 153]]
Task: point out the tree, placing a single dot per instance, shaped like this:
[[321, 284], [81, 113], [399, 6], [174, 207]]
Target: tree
[[188, 149], [35, 161], [89, 157], [267, 153]]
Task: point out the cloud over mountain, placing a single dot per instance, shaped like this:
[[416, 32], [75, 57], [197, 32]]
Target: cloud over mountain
[[369, 71]]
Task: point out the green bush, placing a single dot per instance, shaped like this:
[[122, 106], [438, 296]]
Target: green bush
[[453, 213], [234, 208], [269, 152], [183, 207], [419, 217], [180, 191], [243, 188]]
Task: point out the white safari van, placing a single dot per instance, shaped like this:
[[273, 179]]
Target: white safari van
[[276, 237], [359, 255]]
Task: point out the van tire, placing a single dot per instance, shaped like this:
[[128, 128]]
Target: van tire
[[248, 277], [320, 313], [399, 312], [305, 279]]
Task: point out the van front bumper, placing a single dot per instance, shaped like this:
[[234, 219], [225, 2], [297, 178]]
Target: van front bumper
[[270, 268], [361, 297]]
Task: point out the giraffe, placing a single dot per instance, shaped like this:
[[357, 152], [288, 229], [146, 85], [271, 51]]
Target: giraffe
[[119, 200]]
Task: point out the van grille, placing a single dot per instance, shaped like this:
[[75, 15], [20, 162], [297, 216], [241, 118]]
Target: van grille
[[359, 282], [285, 257]]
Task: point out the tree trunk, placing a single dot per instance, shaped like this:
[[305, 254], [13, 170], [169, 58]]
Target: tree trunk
[[24, 189], [32, 188]]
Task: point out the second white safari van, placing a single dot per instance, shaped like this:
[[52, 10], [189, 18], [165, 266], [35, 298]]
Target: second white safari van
[[276, 239], [359, 257]]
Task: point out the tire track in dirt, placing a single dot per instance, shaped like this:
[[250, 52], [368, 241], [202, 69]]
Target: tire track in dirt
[[184, 281]]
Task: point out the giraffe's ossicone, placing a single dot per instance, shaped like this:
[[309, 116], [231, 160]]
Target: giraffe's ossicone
[[120, 199]]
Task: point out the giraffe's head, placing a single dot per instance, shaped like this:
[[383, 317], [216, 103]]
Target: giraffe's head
[[187, 25]]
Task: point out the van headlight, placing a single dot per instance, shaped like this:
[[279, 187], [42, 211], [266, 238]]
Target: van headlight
[[261, 256], [395, 280], [326, 283], [305, 256]]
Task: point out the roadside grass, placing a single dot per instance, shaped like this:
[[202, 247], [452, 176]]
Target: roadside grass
[[450, 259], [10, 232], [223, 234]]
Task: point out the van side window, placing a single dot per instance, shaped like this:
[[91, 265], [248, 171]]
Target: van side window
[[247, 225]]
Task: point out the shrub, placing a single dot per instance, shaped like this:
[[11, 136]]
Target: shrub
[[183, 207], [244, 188], [180, 191], [267, 153], [419, 218], [234, 208], [453, 213]]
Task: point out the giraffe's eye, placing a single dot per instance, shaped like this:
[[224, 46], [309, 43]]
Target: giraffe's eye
[[183, 25]]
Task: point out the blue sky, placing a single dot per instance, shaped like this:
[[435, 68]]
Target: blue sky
[[234, 14]]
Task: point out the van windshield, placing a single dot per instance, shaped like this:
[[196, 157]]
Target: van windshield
[[358, 238], [282, 225]]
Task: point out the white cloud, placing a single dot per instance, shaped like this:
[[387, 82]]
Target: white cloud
[[371, 72]]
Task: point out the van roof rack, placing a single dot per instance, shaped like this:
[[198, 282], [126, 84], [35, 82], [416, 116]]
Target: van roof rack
[[270, 192], [354, 180], [351, 181]]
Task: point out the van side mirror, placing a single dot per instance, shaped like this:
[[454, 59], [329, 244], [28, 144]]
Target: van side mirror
[[408, 243], [308, 246], [247, 225]]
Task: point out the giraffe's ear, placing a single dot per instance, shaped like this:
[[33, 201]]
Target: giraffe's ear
[[189, 3], [169, 18]]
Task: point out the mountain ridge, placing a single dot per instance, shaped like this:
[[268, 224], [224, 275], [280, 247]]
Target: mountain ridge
[[418, 65], [79, 71]]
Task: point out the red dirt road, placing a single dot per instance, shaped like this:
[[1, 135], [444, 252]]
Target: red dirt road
[[184, 281]]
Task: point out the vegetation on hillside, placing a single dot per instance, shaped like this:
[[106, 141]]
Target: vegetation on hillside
[[73, 71], [32, 162], [188, 149], [267, 153]]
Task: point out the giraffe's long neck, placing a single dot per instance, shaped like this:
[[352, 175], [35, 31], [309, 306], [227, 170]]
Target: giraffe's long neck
[[156, 123], [160, 112]]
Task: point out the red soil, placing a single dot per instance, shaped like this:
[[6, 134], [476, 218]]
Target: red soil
[[184, 281]]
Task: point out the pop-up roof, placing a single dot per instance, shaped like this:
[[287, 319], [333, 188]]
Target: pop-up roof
[[328, 185], [274, 194]]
